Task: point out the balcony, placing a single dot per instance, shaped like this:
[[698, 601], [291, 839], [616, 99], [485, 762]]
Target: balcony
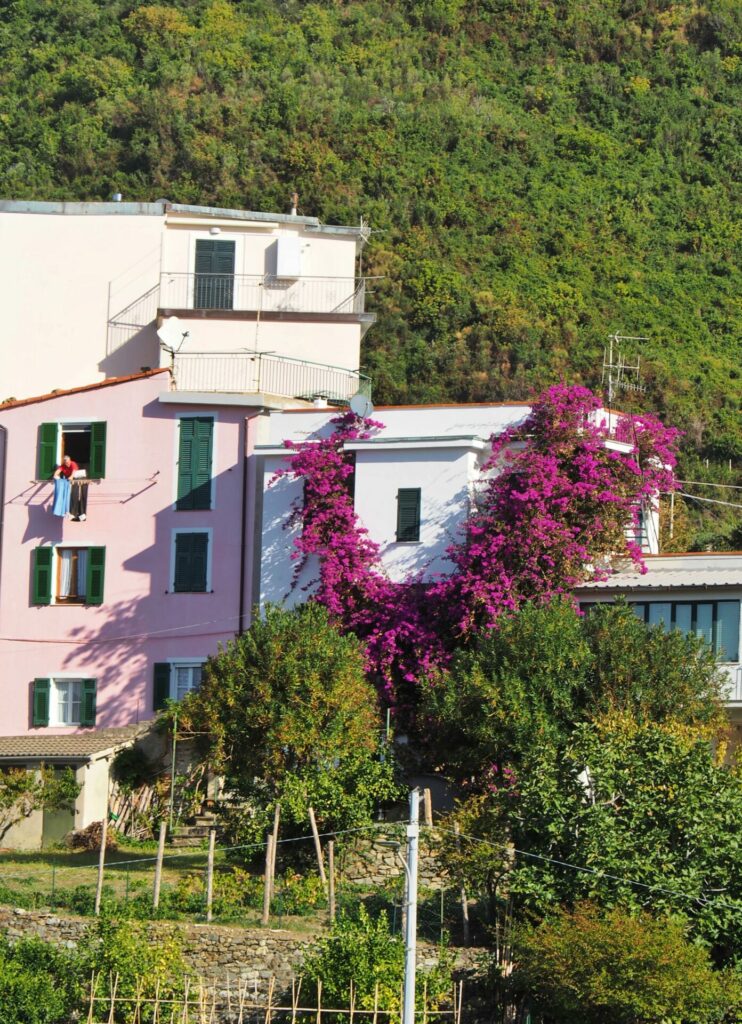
[[264, 373], [256, 293], [733, 688]]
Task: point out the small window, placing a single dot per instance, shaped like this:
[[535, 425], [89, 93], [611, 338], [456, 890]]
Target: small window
[[214, 278], [85, 443], [191, 562], [195, 446], [408, 514], [67, 575], [59, 702], [173, 680]]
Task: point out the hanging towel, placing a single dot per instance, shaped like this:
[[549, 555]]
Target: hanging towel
[[61, 497]]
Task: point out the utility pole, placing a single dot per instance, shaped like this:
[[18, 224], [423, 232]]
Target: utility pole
[[413, 834]]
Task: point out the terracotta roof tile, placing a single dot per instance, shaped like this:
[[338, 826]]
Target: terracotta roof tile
[[109, 382], [72, 745]]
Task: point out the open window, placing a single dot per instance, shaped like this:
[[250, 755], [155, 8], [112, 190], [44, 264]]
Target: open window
[[174, 679], [85, 443], [68, 575]]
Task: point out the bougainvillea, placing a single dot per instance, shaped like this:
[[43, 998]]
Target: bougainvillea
[[559, 503]]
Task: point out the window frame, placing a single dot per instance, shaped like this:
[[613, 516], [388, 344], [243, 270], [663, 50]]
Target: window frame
[[399, 539], [61, 425], [177, 663], [54, 685], [49, 596], [693, 603], [175, 533]]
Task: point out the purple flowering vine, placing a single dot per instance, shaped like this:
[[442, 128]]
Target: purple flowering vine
[[559, 491]]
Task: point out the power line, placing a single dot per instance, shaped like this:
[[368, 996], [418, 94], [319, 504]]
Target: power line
[[707, 483], [594, 871], [710, 501]]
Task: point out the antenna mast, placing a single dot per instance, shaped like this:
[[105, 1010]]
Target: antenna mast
[[618, 374]]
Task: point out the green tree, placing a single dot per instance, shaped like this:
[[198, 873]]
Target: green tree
[[288, 714], [23, 791], [588, 967]]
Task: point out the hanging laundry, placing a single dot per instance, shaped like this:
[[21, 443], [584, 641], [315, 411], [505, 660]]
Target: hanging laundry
[[79, 496], [61, 504]]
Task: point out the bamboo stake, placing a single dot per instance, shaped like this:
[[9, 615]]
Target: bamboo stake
[[274, 850], [93, 983], [157, 1002], [112, 990], [295, 992], [210, 875], [242, 996], [267, 881], [428, 806], [158, 865], [229, 998], [331, 872], [352, 1004], [425, 1001], [186, 989], [318, 848], [269, 1008], [319, 1002], [376, 1001], [138, 1004]]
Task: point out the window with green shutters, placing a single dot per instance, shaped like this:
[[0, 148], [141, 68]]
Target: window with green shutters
[[68, 575], [48, 450], [408, 514], [41, 694], [85, 443], [194, 462], [190, 572], [42, 575], [64, 702], [161, 688], [214, 281]]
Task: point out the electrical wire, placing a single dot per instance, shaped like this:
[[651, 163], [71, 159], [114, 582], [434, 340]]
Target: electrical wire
[[707, 483], [711, 501], [694, 897]]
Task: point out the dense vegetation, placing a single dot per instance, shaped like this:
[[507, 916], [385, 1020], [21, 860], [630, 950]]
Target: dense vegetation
[[537, 175]]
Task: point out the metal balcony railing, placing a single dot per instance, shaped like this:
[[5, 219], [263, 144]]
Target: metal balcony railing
[[257, 372], [733, 688], [262, 293]]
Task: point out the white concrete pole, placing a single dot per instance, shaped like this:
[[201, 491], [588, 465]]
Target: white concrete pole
[[413, 833]]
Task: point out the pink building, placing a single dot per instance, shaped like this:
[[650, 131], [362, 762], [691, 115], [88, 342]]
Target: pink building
[[107, 613]]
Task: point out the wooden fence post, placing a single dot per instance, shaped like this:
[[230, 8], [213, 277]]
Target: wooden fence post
[[428, 806], [318, 848], [102, 858], [210, 874], [331, 872], [267, 880], [274, 847], [158, 865]]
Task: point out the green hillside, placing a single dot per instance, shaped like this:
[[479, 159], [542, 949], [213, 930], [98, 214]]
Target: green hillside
[[537, 175]]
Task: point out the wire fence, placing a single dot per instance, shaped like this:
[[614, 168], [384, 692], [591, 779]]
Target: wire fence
[[240, 884], [202, 1002]]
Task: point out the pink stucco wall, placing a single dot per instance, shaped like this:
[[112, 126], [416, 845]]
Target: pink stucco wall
[[132, 514]]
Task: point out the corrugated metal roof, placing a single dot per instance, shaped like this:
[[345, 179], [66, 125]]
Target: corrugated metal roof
[[72, 745], [675, 579]]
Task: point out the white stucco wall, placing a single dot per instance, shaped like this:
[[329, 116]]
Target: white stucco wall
[[436, 448]]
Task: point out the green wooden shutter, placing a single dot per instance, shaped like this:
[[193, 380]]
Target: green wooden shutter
[[408, 514], [191, 559], [161, 685], [87, 710], [194, 462], [95, 574], [214, 285], [42, 575], [48, 447], [97, 450], [41, 692]]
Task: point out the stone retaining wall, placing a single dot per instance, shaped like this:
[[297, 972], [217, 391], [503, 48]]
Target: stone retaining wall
[[211, 952], [370, 862]]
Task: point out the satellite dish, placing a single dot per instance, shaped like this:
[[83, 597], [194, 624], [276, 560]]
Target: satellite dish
[[171, 333], [361, 406]]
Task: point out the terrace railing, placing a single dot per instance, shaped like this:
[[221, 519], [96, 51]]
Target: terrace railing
[[262, 293], [257, 372]]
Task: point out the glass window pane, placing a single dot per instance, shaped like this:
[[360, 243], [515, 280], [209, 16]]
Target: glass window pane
[[182, 681], [197, 672], [705, 622], [727, 630], [640, 610], [684, 617], [660, 614], [82, 571], [75, 689], [63, 706]]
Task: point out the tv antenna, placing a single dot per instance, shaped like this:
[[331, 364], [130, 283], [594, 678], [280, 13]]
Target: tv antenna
[[618, 374]]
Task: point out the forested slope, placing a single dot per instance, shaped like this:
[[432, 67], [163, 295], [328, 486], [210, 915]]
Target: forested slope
[[537, 175]]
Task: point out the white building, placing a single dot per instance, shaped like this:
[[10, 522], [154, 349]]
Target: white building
[[426, 463], [264, 303]]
